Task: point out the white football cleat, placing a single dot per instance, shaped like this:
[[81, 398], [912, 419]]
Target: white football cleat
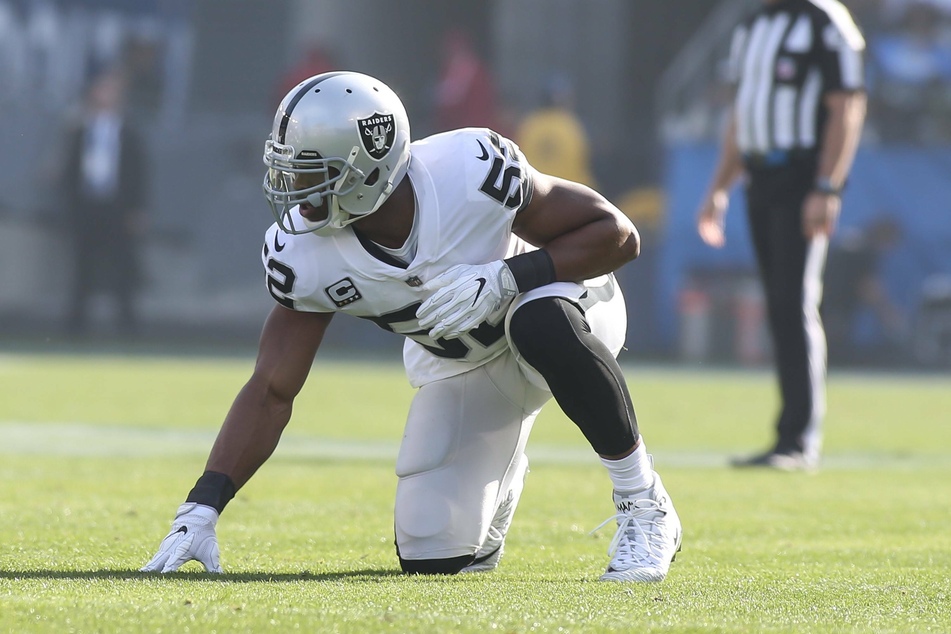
[[487, 558], [648, 536]]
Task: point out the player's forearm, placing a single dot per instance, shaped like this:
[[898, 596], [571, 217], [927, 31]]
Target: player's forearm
[[600, 247], [261, 410], [585, 235], [729, 164], [841, 137], [250, 433]]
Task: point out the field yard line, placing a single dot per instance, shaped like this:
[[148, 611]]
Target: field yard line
[[93, 440]]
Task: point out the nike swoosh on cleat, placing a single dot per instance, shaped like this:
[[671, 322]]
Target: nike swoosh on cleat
[[479, 292]]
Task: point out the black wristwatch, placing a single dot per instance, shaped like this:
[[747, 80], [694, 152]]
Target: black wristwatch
[[825, 186]]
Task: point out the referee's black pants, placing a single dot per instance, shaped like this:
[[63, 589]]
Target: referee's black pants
[[791, 268]]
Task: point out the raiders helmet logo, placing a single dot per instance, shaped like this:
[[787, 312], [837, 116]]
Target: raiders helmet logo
[[377, 133]]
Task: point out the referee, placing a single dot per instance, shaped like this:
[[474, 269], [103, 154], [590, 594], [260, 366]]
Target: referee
[[796, 121]]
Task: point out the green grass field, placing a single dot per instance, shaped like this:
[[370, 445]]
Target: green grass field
[[96, 453]]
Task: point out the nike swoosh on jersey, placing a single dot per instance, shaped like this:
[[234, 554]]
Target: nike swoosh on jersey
[[277, 245], [485, 152], [481, 281]]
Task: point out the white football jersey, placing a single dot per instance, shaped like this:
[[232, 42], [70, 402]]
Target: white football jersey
[[469, 185]]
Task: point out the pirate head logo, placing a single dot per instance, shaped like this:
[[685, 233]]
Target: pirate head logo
[[377, 133]]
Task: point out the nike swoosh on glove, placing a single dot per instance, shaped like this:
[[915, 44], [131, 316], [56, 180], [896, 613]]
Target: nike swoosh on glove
[[464, 297], [192, 537]]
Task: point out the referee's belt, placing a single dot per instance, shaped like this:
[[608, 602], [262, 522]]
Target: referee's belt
[[777, 158]]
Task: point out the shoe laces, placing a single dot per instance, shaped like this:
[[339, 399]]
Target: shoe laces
[[632, 542]]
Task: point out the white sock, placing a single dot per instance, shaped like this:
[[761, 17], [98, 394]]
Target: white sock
[[632, 473]]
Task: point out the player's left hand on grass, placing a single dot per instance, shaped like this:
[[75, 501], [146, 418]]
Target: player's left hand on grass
[[464, 297], [192, 537]]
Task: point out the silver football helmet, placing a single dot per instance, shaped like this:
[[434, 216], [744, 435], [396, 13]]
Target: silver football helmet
[[340, 143]]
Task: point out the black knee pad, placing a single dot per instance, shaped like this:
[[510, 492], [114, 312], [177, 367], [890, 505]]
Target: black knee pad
[[553, 335], [449, 566], [535, 325]]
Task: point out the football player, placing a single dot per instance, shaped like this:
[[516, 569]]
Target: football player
[[500, 279]]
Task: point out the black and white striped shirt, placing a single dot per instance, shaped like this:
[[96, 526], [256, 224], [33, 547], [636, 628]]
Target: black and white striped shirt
[[783, 60]]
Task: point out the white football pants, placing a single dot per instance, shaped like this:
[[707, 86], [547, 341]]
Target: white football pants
[[465, 435]]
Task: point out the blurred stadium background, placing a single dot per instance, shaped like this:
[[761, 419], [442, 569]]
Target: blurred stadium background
[[206, 76]]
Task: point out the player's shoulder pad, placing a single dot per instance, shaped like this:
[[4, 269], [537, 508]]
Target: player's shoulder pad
[[467, 143], [272, 240], [286, 248]]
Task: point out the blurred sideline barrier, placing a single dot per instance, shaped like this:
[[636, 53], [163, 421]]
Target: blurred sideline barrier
[[909, 184], [722, 317], [932, 341]]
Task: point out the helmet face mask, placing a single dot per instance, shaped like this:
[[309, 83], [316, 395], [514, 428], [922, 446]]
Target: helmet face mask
[[314, 182], [340, 144]]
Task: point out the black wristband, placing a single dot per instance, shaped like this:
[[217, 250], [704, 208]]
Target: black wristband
[[532, 269], [212, 489]]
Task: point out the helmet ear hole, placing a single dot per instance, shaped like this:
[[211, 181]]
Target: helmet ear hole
[[372, 177]]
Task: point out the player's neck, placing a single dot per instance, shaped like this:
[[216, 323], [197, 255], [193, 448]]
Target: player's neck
[[391, 224]]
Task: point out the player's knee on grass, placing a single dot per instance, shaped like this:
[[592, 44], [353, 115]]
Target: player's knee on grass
[[449, 566], [434, 524], [458, 446]]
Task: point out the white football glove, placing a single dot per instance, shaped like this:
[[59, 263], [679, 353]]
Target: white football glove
[[465, 296], [192, 537]]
